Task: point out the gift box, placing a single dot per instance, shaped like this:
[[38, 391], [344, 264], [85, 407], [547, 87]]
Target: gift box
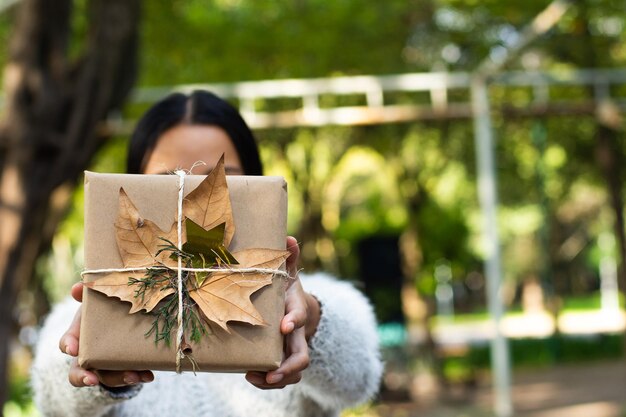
[[111, 338]]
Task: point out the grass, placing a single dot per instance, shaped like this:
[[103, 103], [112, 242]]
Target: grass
[[589, 302], [534, 352], [537, 353], [586, 302]]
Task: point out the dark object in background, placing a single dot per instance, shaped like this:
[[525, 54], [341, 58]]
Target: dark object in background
[[381, 273]]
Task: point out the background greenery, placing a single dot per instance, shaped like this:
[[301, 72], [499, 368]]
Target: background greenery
[[413, 182]]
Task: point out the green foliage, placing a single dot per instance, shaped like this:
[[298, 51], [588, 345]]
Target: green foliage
[[6, 25], [20, 392], [536, 353], [553, 350], [592, 301], [362, 197], [217, 40]]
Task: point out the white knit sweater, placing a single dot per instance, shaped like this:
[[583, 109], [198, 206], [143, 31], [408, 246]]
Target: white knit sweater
[[345, 370]]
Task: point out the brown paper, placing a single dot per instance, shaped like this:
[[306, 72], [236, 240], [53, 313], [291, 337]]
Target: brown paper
[[113, 339]]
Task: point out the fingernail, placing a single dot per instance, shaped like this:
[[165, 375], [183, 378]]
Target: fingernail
[[146, 378], [255, 378], [129, 380], [88, 381], [274, 378], [67, 349], [290, 326]]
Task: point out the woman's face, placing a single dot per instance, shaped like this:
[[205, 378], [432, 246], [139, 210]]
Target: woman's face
[[184, 146]]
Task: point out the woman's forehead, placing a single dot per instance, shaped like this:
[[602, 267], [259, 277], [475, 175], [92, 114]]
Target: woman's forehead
[[193, 147]]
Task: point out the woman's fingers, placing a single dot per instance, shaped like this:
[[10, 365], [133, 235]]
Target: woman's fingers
[[294, 319], [297, 359], [258, 379], [292, 261], [69, 341], [123, 378], [77, 292], [290, 371], [80, 377], [295, 308], [293, 327]]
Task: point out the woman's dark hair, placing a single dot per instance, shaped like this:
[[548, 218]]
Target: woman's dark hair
[[199, 108]]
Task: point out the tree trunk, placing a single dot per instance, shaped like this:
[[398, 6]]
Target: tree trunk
[[608, 154], [54, 118], [611, 160]]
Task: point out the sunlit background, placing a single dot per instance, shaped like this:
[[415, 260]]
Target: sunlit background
[[365, 107]]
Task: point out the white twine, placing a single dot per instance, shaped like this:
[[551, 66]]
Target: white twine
[[179, 337], [222, 269]]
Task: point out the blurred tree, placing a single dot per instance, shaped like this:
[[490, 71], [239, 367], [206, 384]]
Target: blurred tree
[[53, 122], [462, 33], [265, 39], [312, 156], [608, 133]]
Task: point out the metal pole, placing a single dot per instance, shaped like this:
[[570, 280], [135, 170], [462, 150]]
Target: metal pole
[[483, 140]]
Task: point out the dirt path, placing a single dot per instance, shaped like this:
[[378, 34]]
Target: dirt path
[[587, 390]]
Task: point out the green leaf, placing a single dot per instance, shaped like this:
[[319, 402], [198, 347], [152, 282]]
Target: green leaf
[[207, 248]]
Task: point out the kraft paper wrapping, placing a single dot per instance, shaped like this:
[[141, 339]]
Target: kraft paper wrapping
[[112, 339]]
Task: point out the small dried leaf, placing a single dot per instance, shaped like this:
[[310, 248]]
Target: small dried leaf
[[208, 243], [116, 284], [209, 204], [261, 258], [226, 295], [138, 239]]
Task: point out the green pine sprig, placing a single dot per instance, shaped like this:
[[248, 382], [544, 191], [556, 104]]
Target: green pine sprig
[[166, 314]]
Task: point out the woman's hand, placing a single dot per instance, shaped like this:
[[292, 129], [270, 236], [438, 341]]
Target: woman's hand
[[80, 377], [302, 315]]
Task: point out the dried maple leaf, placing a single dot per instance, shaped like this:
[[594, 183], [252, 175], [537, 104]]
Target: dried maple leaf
[[261, 258], [209, 204], [225, 296], [138, 239], [122, 286]]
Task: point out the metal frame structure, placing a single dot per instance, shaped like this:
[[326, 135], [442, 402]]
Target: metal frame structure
[[306, 95]]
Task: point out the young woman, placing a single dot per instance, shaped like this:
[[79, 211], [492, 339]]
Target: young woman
[[331, 352]]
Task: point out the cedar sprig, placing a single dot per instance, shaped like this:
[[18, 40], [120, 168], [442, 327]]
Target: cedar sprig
[[153, 277], [166, 316], [174, 251]]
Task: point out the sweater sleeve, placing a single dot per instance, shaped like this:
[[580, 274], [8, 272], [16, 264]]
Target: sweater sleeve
[[345, 366], [53, 393]]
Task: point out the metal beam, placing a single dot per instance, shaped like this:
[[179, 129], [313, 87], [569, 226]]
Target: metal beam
[[543, 22], [487, 192], [487, 196], [447, 96]]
